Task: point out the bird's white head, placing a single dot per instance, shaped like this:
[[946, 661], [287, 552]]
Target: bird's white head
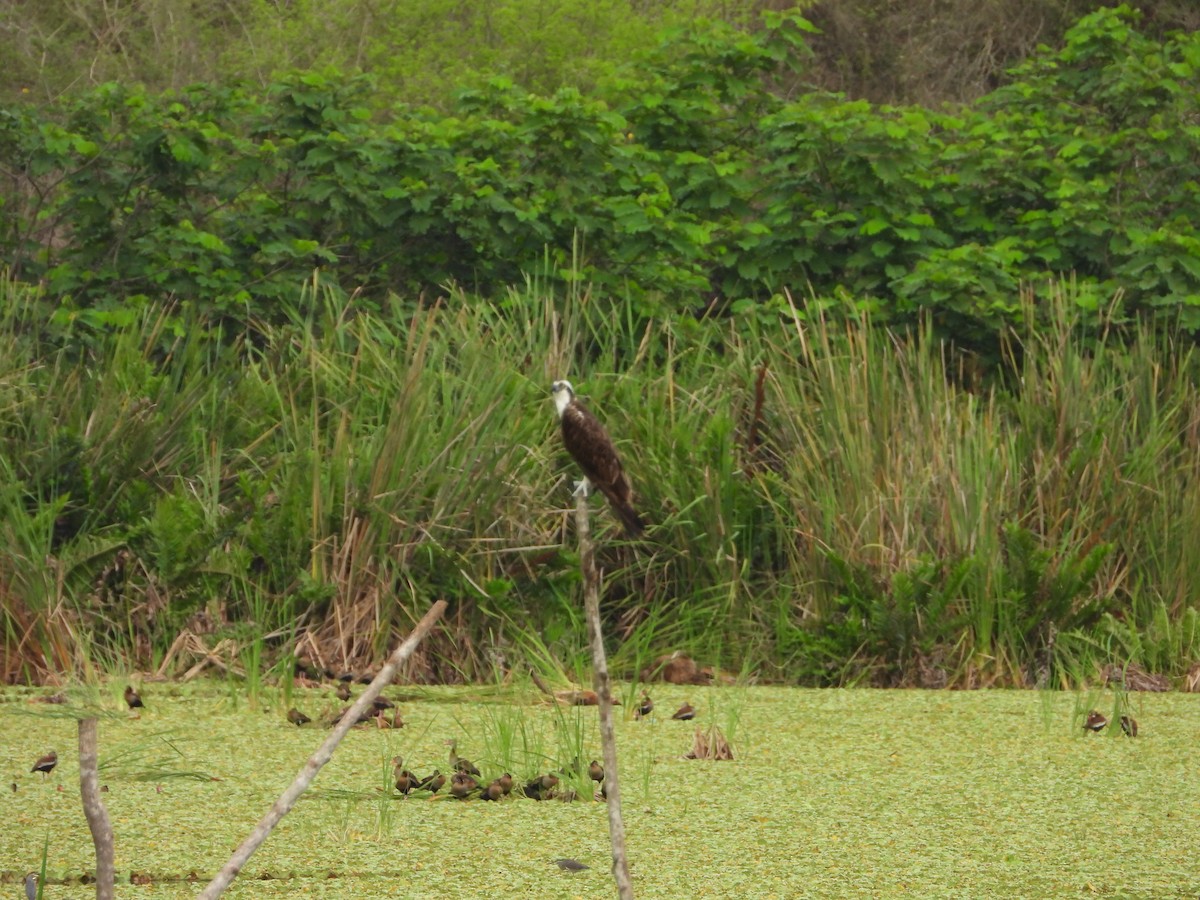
[[563, 394]]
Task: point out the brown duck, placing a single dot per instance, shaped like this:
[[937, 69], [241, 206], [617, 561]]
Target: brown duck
[[461, 785], [297, 718], [1095, 721], [457, 763], [493, 791], [595, 771], [1129, 726], [685, 713], [506, 783], [343, 692], [644, 708], [133, 698], [46, 764], [542, 787], [433, 783]]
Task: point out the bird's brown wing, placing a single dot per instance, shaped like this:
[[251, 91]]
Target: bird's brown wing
[[592, 448]]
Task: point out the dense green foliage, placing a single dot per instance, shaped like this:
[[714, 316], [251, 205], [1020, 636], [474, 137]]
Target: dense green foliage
[[828, 505], [683, 178], [193, 442]]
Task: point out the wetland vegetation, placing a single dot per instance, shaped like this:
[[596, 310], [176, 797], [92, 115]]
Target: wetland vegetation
[[831, 793]]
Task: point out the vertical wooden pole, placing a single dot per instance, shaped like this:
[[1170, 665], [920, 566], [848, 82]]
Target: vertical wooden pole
[[94, 810], [603, 686]]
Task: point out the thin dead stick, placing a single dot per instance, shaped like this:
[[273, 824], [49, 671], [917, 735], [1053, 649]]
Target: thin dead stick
[[608, 737], [94, 810], [315, 762]]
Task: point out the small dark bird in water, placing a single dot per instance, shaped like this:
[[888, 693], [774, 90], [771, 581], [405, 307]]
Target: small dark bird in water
[[433, 783], [1129, 726], [570, 865], [685, 713], [406, 781], [133, 698], [645, 707], [31, 881], [596, 771], [493, 791], [343, 692], [506, 783], [542, 787], [461, 784], [297, 718], [1095, 721], [457, 763], [382, 703], [46, 764]]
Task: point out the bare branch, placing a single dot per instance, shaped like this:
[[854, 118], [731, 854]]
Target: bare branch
[[603, 685], [315, 762]]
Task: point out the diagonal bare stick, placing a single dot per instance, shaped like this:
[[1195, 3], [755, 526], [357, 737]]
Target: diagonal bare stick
[[304, 778], [608, 738]]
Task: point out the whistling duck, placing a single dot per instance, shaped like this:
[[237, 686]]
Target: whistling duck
[[433, 783], [461, 784], [133, 698], [343, 692], [457, 763], [570, 865], [297, 718], [541, 787], [595, 771], [1129, 726], [685, 713], [46, 764], [1095, 721], [644, 708]]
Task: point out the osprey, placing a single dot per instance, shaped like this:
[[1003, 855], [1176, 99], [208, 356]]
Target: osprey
[[591, 447]]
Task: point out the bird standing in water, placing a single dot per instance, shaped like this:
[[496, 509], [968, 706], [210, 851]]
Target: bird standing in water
[[570, 865], [46, 764], [644, 708], [433, 783], [1095, 721], [461, 784], [133, 698], [343, 692], [1129, 726], [457, 763], [297, 718], [685, 713]]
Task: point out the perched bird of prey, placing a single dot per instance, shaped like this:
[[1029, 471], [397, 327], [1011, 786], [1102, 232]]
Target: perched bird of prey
[[685, 713], [297, 718], [592, 448], [570, 865], [1129, 726], [133, 698], [1095, 721], [46, 764]]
